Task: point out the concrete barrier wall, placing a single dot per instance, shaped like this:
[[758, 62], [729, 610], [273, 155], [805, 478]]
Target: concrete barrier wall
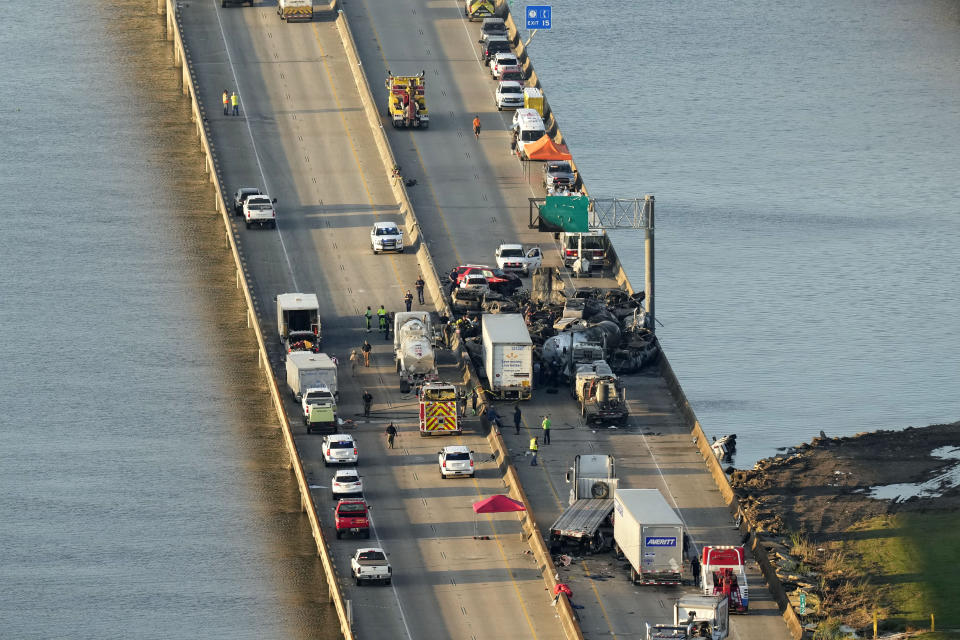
[[182, 60]]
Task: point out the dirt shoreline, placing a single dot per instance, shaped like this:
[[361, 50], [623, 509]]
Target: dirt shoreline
[[814, 510]]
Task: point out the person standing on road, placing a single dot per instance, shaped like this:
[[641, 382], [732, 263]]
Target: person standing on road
[[695, 570], [419, 284], [368, 316], [533, 451], [354, 356], [389, 327], [367, 402], [235, 102], [382, 316], [517, 418], [391, 432], [546, 424], [366, 349], [226, 102], [476, 126], [408, 300], [473, 400]]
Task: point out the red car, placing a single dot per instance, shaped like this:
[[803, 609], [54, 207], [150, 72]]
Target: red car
[[351, 517], [498, 280]]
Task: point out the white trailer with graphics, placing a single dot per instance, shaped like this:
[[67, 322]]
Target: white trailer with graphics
[[507, 356], [649, 534]]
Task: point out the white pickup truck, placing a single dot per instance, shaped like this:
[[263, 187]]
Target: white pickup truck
[[371, 564], [512, 257], [258, 209]]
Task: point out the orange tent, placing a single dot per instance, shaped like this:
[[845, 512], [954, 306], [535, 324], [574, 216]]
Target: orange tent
[[546, 149]]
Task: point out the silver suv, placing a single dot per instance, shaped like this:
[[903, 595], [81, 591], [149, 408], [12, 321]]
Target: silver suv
[[456, 460]]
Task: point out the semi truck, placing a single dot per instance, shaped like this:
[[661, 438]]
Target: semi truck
[[585, 521], [724, 573], [507, 356], [298, 321], [413, 349], [438, 410], [649, 534], [306, 370]]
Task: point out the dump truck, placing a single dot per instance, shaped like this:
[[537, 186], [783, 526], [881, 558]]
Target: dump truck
[[478, 9], [438, 410], [413, 349], [649, 534], [298, 321], [507, 356], [601, 395], [723, 572], [407, 101], [306, 370], [586, 521]]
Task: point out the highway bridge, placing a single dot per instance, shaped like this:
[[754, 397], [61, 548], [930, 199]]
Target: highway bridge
[[302, 136]]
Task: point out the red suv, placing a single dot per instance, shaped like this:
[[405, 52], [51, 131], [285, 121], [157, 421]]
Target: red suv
[[498, 280], [351, 517]]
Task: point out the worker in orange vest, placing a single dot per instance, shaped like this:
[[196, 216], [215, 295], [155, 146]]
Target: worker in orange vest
[[476, 126]]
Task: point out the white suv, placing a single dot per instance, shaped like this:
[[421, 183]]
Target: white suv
[[259, 210], [386, 236], [500, 61], [346, 483], [509, 95], [456, 460], [339, 448]]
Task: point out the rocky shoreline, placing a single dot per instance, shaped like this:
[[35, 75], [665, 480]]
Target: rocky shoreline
[[814, 505]]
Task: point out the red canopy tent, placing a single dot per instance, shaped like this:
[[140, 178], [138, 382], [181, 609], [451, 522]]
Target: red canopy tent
[[546, 149], [498, 504]]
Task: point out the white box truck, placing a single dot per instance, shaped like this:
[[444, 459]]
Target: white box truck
[[307, 370], [507, 356], [649, 533], [298, 319]]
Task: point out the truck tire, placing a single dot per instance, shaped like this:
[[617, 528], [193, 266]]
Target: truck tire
[[366, 534], [388, 581], [273, 224], [633, 575], [339, 533], [404, 387], [247, 222], [359, 581], [600, 490]]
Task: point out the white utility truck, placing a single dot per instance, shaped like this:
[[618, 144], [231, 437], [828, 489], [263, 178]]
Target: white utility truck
[[306, 370], [513, 257]]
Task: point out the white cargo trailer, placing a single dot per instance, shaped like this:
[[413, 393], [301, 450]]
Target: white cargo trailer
[[507, 356], [649, 534], [298, 315], [306, 370]]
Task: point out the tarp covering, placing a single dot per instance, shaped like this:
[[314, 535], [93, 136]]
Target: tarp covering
[[565, 213], [546, 149], [498, 504]]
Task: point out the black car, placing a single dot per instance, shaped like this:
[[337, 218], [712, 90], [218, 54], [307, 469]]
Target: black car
[[493, 46], [241, 196]]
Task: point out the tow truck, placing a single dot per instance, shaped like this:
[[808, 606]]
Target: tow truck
[[478, 9], [406, 101], [720, 564]]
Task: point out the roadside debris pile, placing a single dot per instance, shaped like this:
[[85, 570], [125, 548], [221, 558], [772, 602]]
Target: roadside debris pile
[[814, 504]]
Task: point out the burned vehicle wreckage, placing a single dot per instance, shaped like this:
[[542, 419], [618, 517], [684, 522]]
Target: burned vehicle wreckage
[[568, 329]]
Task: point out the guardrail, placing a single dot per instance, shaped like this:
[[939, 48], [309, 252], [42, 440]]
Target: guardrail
[[182, 59]]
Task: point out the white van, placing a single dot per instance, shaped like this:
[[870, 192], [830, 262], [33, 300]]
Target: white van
[[528, 127]]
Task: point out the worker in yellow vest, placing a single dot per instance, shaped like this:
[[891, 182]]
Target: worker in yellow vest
[[235, 102], [226, 102], [382, 315], [533, 451]]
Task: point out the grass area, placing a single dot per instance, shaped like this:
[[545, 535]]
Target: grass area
[[914, 558]]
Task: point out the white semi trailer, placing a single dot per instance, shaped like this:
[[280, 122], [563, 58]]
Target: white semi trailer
[[649, 533]]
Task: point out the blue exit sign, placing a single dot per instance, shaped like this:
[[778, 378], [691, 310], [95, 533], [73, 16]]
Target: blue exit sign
[[539, 16]]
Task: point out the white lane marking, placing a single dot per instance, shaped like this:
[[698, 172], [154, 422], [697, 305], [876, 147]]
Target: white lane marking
[[253, 142], [396, 595]]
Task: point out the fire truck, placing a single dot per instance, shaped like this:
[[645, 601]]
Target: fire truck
[[438, 409]]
